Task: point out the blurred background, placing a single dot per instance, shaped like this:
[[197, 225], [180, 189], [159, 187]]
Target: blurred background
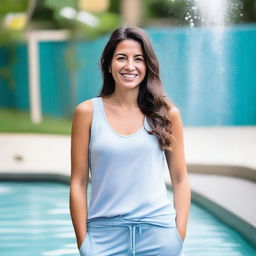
[[49, 63], [50, 53]]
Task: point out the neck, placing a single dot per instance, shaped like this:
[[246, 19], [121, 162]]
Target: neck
[[125, 98]]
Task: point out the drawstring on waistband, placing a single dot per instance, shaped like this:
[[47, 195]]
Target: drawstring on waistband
[[132, 230], [120, 222]]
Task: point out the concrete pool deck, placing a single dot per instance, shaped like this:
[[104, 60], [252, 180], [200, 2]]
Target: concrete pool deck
[[221, 163]]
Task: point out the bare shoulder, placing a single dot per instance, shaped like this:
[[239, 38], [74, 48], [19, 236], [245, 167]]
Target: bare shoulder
[[176, 125], [85, 107], [83, 114], [174, 113]]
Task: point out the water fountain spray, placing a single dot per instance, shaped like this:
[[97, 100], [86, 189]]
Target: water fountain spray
[[212, 16]]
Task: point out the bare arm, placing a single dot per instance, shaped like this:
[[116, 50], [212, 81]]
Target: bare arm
[[79, 168], [178, 173]]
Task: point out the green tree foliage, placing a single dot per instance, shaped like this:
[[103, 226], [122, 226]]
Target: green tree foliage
[[48, 12], [57, 4], [241, 11], [249, 13], [7, 6]]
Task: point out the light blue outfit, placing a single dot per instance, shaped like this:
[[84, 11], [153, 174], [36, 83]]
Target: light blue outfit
[[129, 212]]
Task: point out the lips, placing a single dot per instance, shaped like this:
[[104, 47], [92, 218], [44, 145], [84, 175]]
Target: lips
[[126, 75]]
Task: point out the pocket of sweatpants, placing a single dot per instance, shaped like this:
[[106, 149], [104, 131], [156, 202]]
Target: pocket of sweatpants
[[84, 242], [179, 236]]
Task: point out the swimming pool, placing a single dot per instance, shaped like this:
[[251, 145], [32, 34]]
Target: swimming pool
[[35, 220]]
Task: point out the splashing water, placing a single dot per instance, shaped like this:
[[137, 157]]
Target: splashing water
[[213, 16], [212, 12]]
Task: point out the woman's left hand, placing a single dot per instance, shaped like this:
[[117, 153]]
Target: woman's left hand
[[182, 232]]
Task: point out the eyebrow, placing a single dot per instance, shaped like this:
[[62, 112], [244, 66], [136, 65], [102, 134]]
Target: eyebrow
[[136, 55]]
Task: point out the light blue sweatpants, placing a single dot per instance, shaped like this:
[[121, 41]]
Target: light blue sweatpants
[[118, 237]]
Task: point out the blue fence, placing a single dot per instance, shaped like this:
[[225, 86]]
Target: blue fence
[[209, 74]]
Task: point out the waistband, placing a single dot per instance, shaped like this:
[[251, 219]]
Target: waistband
[[120, 222]]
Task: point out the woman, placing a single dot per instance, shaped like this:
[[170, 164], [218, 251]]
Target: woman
[[127, 137]]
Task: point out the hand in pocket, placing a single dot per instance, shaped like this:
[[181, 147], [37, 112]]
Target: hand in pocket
[[83, 241], [182, 234]]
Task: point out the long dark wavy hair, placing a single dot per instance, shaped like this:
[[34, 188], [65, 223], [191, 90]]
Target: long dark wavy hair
[[151, 99]]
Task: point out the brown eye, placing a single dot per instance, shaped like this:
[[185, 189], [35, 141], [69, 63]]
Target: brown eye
[[139, 59], [121, 58]]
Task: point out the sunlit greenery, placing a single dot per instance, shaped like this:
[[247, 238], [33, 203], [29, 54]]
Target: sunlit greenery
[[19, 121], [51, 9]]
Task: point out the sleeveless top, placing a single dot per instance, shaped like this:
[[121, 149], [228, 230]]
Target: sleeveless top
[[127, 174]]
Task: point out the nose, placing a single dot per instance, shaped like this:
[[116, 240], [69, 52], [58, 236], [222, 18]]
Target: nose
[[130, 65]]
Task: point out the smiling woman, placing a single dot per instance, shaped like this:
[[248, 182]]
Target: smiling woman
[[127, 66], [127, 137]]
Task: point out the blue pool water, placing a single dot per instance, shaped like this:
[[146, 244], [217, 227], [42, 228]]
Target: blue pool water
[[35, 220]]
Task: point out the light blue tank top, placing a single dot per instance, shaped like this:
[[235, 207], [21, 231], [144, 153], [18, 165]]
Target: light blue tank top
[[127, 174]]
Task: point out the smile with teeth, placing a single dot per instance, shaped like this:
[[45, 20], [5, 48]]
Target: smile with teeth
[[129, 76]]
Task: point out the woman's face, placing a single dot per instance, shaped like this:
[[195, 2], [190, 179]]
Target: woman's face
[[128, 66]]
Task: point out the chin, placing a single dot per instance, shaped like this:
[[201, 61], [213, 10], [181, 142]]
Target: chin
[[130, 86]]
